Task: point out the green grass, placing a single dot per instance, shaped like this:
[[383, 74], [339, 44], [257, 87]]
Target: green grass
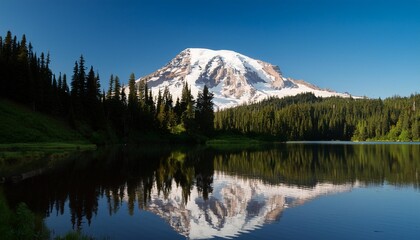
[[19, 124]]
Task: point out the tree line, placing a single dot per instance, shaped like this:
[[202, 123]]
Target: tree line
[[307, 117], [126, 113], [122, 113]]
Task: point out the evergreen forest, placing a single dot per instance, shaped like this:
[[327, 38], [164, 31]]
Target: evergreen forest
[[307, 117], [120, 114], [131, 113]]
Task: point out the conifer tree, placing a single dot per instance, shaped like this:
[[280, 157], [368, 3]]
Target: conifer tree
[[98, 85], [82, 77], [7, 47], [177, 111], [117, 88], [204, 113], [60, 83], [159, 100], [92, 86], [141, 94], [132, 96], [54, 84], [110, 87], [23, 50], [170, 120], [187, 108], [123, 97], [74, 81], [65, 86]]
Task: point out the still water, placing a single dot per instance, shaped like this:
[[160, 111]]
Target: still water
[[285, 191]]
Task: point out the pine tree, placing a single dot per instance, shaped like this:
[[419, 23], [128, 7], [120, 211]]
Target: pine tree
[[103, 96], [75, 81], [167, 98], [123, 97], [146, 96], [160, 111], [132, 96], [151, 103], [82, 77], [54, 84], [159, 100], [60, 83], [117, 88], [186, 97], [65, 86], [204, 113], [110, 87], [177, 111], [23, 50], [92, 85], [186, 108], [133, 107], [98, 85], [7, 47], [188, 118], [47, 61], [170, 120]]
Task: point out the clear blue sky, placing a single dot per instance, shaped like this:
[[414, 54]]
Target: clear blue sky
[[365, 47]]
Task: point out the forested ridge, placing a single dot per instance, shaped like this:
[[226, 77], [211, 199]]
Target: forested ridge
[[100, 116], [307, 117]]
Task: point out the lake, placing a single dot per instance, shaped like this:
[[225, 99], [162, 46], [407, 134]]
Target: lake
[[302, 190]]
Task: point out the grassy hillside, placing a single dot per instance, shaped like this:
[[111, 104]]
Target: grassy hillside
[[19, 124]]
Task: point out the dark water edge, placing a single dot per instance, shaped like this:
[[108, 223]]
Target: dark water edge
[[295, 190]]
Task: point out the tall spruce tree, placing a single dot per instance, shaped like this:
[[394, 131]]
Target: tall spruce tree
[[82, 77], [132, 95], [117, 88], [75, 91], [65, 86], [204, 113], [133, 115], [92, 86], [60, 82], [110, 91]]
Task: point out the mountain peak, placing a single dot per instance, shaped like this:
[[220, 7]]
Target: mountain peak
[[233, 77]]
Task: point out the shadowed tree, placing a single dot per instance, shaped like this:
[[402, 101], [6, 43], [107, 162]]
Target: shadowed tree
[[204, 113]]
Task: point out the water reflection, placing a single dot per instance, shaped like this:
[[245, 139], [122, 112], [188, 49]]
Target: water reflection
[[202, 193], [235, 205]]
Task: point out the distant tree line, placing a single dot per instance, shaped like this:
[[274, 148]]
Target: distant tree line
[[307, 117], [101, 116]]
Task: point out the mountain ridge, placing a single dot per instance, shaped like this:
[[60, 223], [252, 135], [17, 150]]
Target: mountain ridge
[[234, 78]]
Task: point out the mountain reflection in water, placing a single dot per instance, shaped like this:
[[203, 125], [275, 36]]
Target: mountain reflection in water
[[234, 206], [203, 192]]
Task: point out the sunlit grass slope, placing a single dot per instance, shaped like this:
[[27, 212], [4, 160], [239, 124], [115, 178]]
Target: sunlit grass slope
[[19, 124]]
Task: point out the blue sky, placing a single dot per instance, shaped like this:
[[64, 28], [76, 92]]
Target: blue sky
[[365, 47]]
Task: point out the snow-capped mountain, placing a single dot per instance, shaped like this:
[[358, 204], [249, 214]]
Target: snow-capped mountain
[[236, 205], [233, 78]]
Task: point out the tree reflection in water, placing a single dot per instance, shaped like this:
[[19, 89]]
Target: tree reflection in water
[[216, 182]]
